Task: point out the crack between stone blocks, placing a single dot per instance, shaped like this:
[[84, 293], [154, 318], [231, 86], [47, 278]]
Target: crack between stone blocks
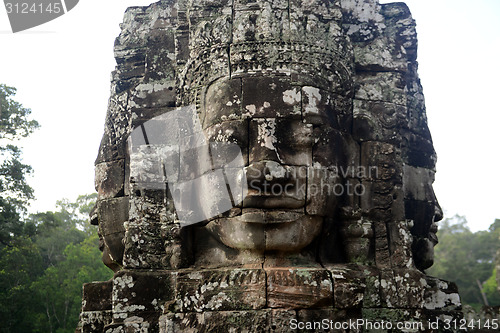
[[265, 278], [233, 14], [289, 22], [248, 123]]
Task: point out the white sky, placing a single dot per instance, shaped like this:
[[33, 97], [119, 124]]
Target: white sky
[[62, 72]]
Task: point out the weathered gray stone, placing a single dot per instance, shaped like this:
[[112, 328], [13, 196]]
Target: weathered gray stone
[[299, 288], [220, 290], [275, 321], [110, 179], [266, 163]]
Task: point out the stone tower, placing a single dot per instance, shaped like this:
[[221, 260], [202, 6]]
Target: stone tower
[[266, 165]]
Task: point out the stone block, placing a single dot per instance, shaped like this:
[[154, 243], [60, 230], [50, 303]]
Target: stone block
[[263, 24], [379, 121], [144, 248], [151, 166], [281, 100], [411, 285], [321, 320], [381, 86], [330, 150], [441, 295], [227, 140], [242, 5], [266, 321], [326, 69], [110, 179], [315, 20], [387, 320], [220, 290], [272, 185], [377, 200], [382, 254], [222, 102], [148, 204], [112, 215], [97, 296], [400, 26], [111, 148], [218, 32], [94, 321], [348, 287], [288, 142], [153, 94], [299, 288], [371, 298], [205, 66], [318, 107], [388, 289], [324, 191], [141, 292], [260, 59], [418, 151], [380, 54], [401, 244]]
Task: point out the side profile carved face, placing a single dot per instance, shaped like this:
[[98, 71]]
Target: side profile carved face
[[423, 209]]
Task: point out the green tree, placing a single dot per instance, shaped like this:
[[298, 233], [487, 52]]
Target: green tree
[[14, 190], [20, 264], [468, 259], [44, 267], [490, 289], [59, 289]]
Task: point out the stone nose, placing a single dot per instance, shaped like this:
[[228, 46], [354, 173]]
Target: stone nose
[[267, 172], [438, 215]]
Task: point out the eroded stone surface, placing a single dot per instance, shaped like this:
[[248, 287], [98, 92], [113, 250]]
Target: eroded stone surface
[[264, 162]]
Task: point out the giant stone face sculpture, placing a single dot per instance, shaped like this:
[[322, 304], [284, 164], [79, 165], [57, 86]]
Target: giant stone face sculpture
[[265, 162]]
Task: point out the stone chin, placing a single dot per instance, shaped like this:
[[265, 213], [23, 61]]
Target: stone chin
[[264, 230], [424, 252]]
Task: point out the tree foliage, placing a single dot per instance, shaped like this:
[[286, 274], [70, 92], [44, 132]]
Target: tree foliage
[[468, 258], [14, 190], [44, 268]]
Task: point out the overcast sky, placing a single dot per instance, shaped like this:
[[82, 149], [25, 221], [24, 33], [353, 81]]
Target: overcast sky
[[62, 72]]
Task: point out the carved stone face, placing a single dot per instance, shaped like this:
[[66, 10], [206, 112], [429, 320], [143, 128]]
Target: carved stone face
[[291, 163], [423, 208], [309, 93]]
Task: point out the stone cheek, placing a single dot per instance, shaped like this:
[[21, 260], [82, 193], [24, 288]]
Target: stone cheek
[[112, 215]]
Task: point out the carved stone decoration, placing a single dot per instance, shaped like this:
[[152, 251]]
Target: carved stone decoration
[[266, 163]]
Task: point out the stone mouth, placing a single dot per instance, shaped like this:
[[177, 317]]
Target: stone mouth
[[433, 238], [273, 202], [264, 216], [283, 231]]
